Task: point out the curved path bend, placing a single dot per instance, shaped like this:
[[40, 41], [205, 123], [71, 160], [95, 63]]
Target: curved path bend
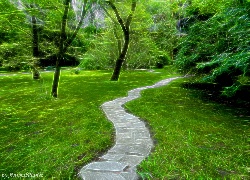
[[133, 142]]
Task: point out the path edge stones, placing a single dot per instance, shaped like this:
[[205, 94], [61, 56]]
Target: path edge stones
[[133, 142]]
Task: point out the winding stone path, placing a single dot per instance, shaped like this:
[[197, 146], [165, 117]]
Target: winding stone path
[[133, 142]]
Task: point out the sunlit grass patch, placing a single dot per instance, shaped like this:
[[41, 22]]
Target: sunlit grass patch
[[55, 137], [195, 139]]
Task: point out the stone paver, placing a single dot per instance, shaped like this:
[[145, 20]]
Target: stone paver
[[133, 142]]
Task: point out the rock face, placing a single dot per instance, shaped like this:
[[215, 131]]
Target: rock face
[[133, 142]]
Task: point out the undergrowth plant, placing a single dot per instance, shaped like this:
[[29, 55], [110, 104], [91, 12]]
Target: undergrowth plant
[[219, 48]]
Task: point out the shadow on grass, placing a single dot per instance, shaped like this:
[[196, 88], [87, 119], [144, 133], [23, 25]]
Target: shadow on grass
[[212, 92]]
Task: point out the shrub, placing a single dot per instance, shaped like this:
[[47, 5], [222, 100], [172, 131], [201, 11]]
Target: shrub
[[14, 57], [103, 52], [219, 49]]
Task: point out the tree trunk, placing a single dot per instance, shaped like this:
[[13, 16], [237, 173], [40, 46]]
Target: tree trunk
[[65, 43], [119, 42], [35, 72], [56, 78], [54, 91], [126, 31], [121, 58]]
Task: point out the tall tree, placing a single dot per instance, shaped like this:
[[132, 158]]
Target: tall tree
[[31, 11], [65, 42], [125, 26], [36, 74]]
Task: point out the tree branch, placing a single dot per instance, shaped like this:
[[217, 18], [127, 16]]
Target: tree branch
[[118, 17], [119, 43], [63, 27], [129, 18], [109, 15], [69, 41]]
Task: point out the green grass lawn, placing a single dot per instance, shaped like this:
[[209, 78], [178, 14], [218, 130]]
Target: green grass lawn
[[195, 138], [56, 137]]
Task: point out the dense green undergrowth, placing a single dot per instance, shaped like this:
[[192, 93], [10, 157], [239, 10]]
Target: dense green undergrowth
[[195, 138], [218, 49], [56, 137]]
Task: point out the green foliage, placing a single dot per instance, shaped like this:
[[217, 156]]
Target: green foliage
[[143, 53], [163, 28], [14, 57], [104, 50], [16, 33], [13, 37], [219, 47], [209, 6], [101, 54]]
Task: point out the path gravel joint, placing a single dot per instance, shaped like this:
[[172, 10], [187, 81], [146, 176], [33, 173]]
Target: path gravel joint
[[132, 144]]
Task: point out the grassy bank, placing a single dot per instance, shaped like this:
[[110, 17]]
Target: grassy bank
[[57, 136], [195, 139]]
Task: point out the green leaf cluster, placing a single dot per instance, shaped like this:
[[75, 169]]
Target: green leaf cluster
[[143, 50], [219, 49]]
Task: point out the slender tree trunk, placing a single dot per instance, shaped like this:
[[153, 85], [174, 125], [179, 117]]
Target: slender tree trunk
[[119, 42], [35, 72], [54, 91], [126, 31], [121, 58], [65, 43], [56, 79], [55, 84]]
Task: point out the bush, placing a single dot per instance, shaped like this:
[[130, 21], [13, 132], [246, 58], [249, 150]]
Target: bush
[[14, 57], [219, 49], [103, 52], [163, 60], [75, 70]]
